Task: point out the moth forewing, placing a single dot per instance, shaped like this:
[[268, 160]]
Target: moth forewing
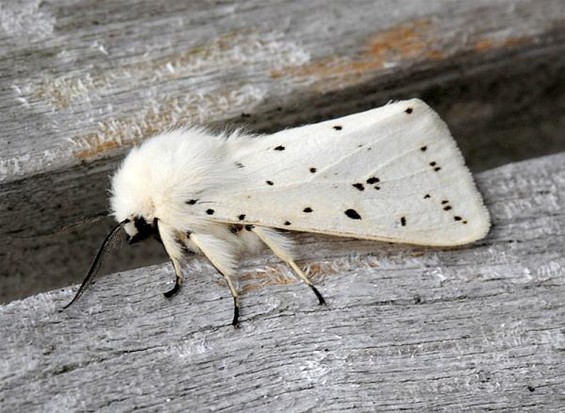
[[392, 174]]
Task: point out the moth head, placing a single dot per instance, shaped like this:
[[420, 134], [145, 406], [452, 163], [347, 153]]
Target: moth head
[[139, 228]]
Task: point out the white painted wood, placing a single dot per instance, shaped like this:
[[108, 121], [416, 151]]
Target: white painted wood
[[406, 328]]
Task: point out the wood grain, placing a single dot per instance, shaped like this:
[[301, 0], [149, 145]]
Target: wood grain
[[416, 329]]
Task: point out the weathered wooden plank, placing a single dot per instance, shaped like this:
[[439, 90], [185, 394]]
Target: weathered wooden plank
[[465, 329], [96, 80], [81, 81]]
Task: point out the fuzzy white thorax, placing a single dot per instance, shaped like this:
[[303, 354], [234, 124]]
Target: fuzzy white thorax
[[157, 178], [160, 178]]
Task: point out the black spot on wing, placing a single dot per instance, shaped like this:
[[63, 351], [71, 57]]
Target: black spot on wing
[[409, 110], [427, 196], [280, 148], [241, 217], [351, 213], [374, 180], [424, 148], [210, 211], [360, 187], [403, 221], [338, 127], [270, 183], [434, 166], [239, 165], [287, 223], [446, 206], [191, 201], [313, 170], [308, 210], [457, 218]]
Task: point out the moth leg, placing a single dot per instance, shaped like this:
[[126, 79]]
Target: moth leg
[[269, 237], [178, 279], [174, 252], [220, 255]]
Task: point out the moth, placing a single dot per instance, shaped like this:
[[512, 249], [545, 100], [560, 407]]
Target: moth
[[390, 174]]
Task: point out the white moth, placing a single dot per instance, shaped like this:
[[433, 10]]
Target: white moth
[[391, 174]]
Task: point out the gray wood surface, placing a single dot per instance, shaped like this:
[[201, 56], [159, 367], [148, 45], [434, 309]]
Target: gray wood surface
[[81, 81], [415, 329]]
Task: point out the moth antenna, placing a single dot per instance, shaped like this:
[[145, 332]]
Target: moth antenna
[[97, 262]]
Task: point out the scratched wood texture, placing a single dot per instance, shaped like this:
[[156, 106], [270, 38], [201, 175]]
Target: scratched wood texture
[[82, 81], [474, 328]]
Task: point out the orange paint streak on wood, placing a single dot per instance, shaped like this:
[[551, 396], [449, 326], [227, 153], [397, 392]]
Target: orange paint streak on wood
[[96, 146], [486, 45], [407, 42]]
